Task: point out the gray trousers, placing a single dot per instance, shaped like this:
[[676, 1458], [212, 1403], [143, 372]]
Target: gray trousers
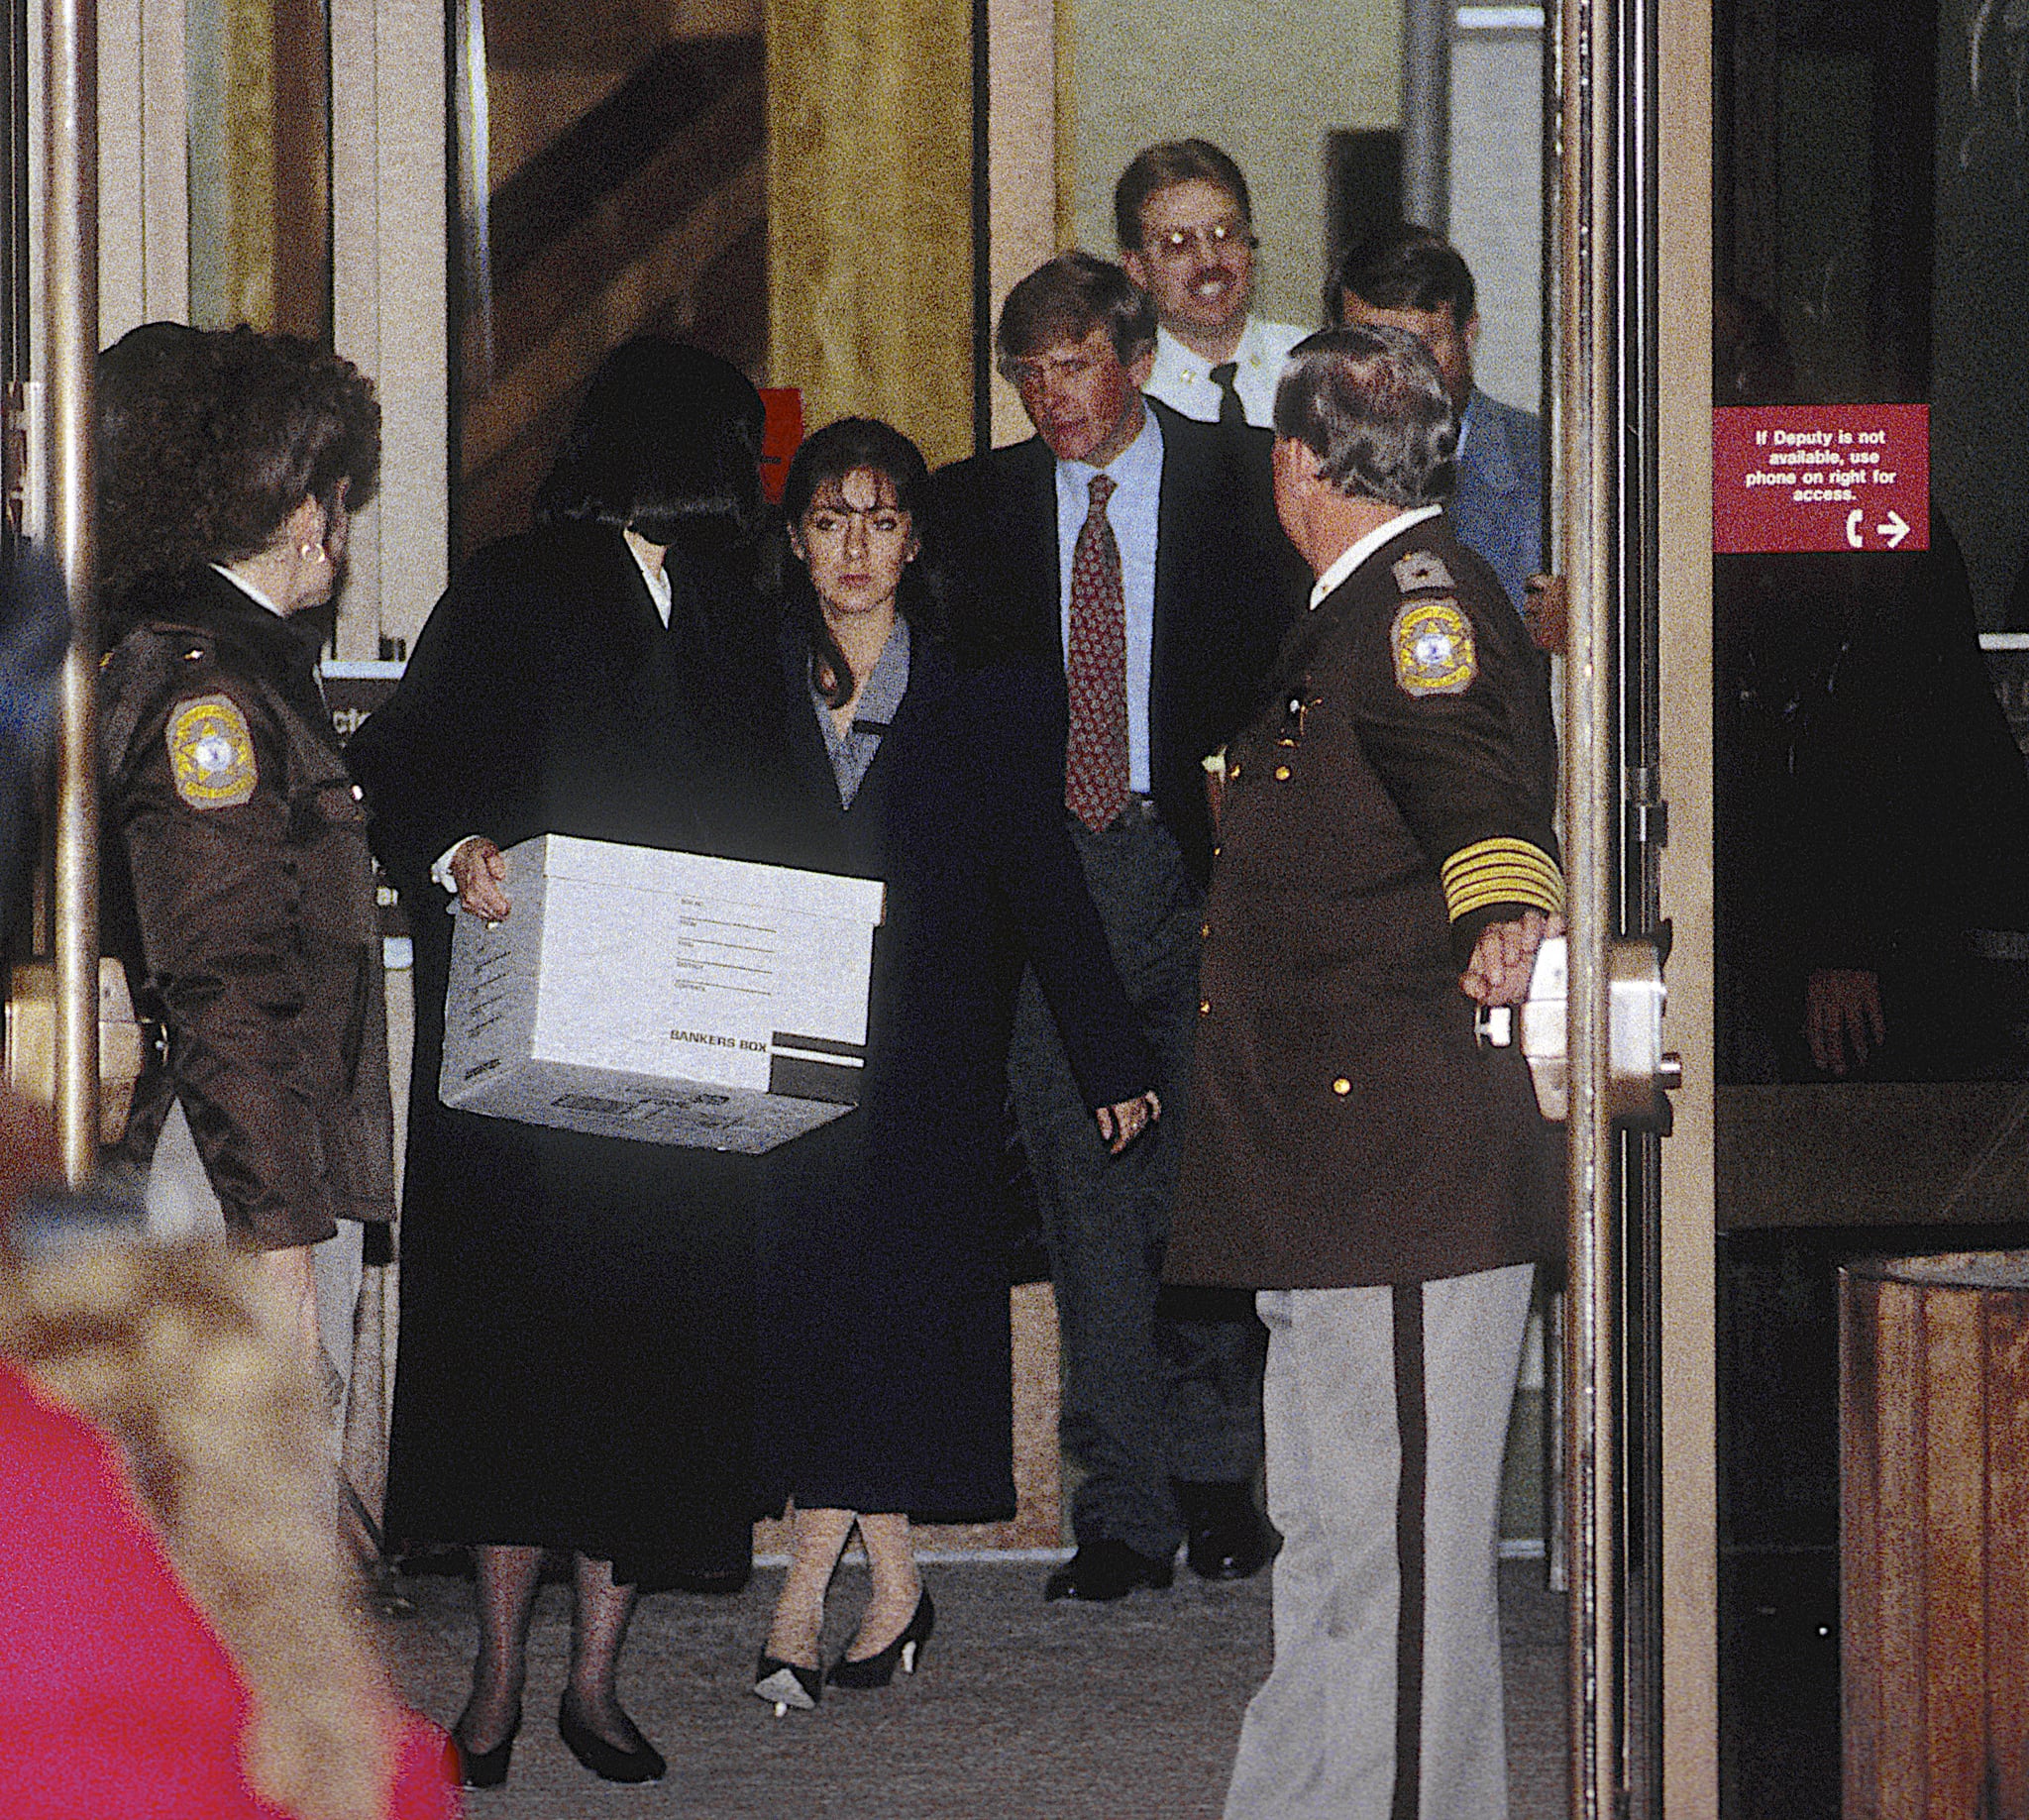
[[1387, 1415], [1146, 1396]]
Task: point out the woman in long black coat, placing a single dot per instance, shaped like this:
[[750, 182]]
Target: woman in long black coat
[[575, 1344], [884, 1296]]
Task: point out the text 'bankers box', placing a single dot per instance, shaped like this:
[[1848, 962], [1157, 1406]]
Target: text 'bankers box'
[[666, 997]]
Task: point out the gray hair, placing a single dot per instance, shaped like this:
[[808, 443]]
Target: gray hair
[[1370, 405]]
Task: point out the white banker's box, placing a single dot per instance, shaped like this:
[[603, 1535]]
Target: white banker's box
[[666, 997]]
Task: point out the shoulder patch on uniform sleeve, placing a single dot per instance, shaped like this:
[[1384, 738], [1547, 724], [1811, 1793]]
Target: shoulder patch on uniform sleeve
[[1433, 653], [1422, 569], [211, 752]]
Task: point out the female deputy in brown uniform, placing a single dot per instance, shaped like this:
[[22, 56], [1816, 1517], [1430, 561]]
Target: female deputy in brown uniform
[[1384, 1183], [236, 878]]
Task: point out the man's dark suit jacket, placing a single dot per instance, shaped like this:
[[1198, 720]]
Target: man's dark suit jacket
[[1227, 586]]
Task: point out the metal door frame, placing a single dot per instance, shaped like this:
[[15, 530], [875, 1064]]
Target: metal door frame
[[1633, 84]]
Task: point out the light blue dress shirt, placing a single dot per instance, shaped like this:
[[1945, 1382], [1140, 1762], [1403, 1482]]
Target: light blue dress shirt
[[1132, 511]]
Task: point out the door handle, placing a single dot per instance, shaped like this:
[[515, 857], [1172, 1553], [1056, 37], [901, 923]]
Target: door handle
[[1641, 1073]]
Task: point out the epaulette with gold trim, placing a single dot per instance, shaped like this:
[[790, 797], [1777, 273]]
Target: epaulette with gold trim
[[151, 664], [1421, 570]]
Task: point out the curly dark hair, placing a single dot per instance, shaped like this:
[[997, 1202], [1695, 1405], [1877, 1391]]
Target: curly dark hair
[[821, 465], [207, 442]]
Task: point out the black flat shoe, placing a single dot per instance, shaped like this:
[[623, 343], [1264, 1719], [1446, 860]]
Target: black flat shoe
[[486, 1768], [1104, 1570], [608, 1761], [905, 1651], [787, 1683]]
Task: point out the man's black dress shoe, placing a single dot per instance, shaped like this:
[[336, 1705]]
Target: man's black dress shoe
[[1228, 1537], [1106, 1569]]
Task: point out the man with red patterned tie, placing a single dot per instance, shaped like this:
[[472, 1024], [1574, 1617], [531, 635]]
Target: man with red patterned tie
[[1134, 547]]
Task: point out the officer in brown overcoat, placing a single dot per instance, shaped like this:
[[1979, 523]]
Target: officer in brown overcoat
[[238, 883], [1383, 1182]]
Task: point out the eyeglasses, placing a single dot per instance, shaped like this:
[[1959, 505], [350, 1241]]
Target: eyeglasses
[[1213, 236]]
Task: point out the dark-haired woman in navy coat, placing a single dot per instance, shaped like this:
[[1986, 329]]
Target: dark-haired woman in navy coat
[[884, 1384]]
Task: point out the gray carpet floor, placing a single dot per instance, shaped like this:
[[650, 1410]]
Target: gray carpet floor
[[1021, 1710]]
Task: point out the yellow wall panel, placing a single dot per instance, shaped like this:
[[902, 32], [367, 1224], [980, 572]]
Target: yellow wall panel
[[870, 212]]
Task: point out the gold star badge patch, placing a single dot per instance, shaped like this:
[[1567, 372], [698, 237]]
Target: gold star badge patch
[[211, 753], [1434, 653]]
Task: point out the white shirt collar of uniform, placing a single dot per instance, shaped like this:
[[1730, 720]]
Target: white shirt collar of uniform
[[658, 580], [1464, 429], [1250, 351], [1357, 553], [247, 589], [1138, 465]]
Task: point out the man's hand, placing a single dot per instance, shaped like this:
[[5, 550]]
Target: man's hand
[[1504, 956], [1121, 1124], [481, 870], [1547, 611], [1842, 1013]]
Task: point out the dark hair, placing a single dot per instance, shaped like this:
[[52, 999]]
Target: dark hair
[[209, 440], [667, 440], [1405, 268], [1063, 300], [1175, 160], [1370, 405], [824, 460]]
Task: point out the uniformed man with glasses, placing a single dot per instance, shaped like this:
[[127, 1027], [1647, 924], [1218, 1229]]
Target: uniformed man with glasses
[[1187, 238]]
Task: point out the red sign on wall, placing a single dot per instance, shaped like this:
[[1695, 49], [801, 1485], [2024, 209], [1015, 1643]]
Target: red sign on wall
[[1819, 476], [781, 436]]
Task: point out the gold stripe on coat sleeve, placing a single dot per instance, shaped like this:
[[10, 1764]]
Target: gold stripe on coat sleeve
[[1502, 870]]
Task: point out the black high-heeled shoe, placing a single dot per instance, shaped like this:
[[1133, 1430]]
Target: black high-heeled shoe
[[787, 1683], [605, 1761], [905, 1652], [486, 1768]]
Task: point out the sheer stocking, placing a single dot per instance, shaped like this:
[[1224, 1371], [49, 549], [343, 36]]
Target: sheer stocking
[[598, 1626], [896, 1584], [507, 1579], [816, 1539]]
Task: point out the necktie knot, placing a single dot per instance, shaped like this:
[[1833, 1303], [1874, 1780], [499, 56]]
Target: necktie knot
[[1103, 486]]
